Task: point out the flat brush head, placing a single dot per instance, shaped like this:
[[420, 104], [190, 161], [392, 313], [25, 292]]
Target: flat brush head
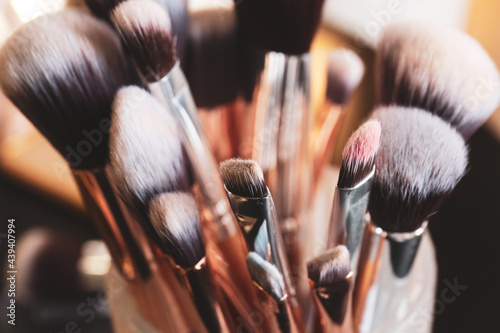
[[62, 71], [444, 71], [146, 152], [212, 60], [243, 178], [345, 70], [175, 218], [266, 275], [332, 266], [286, 26], [420, 161], [359, 154], [146, 31]]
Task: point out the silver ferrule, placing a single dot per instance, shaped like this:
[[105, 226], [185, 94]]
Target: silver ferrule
[[173, 91], [347, 221]]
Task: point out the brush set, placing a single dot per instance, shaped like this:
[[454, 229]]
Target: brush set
[[197, 154]]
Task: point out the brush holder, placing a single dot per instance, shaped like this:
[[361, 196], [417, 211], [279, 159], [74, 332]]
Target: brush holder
[[395, 293]]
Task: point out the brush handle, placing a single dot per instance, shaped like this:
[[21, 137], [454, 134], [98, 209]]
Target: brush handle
[[224, 242], [385, 300]]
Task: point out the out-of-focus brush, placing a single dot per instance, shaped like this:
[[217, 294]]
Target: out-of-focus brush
[[330, 279], [436, 68], [352, 192], [420, 161], [212, 69], [145, 29], [344, 72], [175, 218]]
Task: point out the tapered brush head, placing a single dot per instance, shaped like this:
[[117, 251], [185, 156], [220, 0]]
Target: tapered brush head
[[332, 266], [345, 70], [175, 218], [282, 26], [62, 71], [146, 31], [266, 275], [212, 61], [243, 178], [146, 152], [444, 71], [359, 154], [420, 161]]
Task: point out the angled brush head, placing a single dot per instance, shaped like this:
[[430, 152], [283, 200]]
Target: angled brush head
[[146, 152], [359, 154], [345, 69], [444, 71], [420, 161], [212, 60], [175, 218], [146, 31], [282, 26], [332, 266], [266, 275], [243, 178], [62, 71]]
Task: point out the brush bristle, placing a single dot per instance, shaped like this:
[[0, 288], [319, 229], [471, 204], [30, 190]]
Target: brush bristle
[[146, 151], [243, 178], [266, 275], [175, 218], [280, 26], [145, 29], [345, 70], [102, 8], [444, 71], [212, 61], [62, 71], [359, 154], [332, 266], [420, 161]]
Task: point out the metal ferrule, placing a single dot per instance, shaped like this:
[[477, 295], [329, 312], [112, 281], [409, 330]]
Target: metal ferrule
[[386, 258], [347, 221], [333, 304]]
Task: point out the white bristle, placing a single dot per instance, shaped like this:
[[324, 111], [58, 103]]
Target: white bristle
[[175, 218], [420, 160], [331, 266], [345, 70], [266, 275], [145, 149], [243, 178], [444, 71]]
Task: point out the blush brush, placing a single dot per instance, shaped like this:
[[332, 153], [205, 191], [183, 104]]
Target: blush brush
[[438, 69], [420, 161]]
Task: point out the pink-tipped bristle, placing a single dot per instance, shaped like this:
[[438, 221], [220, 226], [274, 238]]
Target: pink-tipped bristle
[[359, 154]]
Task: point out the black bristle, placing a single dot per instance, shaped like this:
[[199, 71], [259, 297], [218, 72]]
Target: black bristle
[[64, 79], [281, 26], [243, 178], [419, 162]]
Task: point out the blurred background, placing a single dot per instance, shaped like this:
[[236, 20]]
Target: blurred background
[[61, 263]]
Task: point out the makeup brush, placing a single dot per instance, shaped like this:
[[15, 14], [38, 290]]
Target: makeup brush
[[253, 206], [420, 161], [146, 150], [352, 192], [144, 28], [444, 71], [330, 279], [175, 218], [64, 80], [344, 72], [268, 278], [212, 69], [177, 9]]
